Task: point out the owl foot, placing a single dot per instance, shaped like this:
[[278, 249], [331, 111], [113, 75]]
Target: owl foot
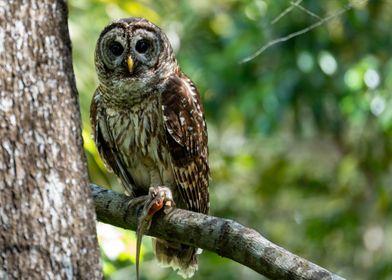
[[157, 198], [137, 201]]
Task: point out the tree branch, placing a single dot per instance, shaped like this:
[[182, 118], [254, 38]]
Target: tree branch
[[225, 237], [301, 31]]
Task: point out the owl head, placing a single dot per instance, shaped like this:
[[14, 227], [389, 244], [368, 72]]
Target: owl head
[[133, 54]]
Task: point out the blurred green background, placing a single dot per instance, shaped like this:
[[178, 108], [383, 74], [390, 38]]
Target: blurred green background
[[300, 137]]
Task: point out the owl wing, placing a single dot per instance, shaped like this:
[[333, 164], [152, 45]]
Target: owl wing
[[106, 145], [186, 135]]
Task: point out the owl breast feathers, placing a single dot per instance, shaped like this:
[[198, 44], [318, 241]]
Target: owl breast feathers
[[148, 123]]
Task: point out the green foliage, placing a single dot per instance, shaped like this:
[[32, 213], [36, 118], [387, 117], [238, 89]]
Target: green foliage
[[300, 137]]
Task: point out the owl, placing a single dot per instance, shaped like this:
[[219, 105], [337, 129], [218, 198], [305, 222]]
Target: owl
[[149, 127]]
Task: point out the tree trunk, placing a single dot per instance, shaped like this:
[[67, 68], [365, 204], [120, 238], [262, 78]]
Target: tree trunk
[[47, 218]]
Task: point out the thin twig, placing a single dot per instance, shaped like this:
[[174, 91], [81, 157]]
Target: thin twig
[[302, 8], [224, 237], [286, 11], [297, 33]]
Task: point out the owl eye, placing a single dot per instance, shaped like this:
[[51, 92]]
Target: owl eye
[[116, 48], [142, 46]]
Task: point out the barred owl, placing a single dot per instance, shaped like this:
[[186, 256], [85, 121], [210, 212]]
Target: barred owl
[[148, 124]]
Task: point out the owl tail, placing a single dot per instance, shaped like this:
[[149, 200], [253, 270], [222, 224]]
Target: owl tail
[[178, 256]]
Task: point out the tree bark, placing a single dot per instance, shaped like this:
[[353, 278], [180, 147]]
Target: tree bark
[[47, 218], [225, 237]]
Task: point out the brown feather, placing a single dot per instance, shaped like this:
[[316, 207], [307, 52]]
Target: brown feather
[[186, 135], [108, 150]]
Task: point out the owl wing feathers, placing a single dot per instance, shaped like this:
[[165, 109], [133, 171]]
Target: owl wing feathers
[[186, 135], [108, 150]]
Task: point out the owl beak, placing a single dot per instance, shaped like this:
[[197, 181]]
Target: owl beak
[[130, 64]]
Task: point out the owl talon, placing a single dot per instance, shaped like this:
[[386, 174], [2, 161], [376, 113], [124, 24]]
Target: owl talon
[[160, 197], [136, 201], [157, 198], [168, 207]]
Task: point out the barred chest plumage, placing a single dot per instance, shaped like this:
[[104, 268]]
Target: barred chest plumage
[[138, 132]]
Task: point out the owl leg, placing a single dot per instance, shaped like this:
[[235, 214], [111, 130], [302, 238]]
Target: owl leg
[[158, 198]]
